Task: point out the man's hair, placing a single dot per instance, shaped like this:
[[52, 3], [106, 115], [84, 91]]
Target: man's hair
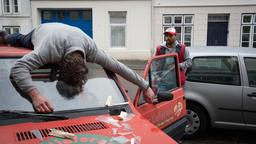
[[73, 70]]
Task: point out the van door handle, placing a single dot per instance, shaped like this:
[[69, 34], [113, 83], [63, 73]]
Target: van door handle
[[252, 94]]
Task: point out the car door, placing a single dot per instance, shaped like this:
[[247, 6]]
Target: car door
[[214, 81], [162, 72], [249, 92]]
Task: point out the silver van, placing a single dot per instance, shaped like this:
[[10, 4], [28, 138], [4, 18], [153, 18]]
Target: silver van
[[221, 89]]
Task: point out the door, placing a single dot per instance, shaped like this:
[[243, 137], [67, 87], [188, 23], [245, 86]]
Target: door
[[78, 18], [249, 94], [217, 33], [162, 72], [217, 29]]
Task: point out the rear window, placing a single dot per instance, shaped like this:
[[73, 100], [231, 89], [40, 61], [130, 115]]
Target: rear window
[[98, 88], [250, 64], [217, 70]]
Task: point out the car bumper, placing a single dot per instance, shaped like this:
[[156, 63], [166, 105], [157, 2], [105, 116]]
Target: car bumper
[[176, 130]]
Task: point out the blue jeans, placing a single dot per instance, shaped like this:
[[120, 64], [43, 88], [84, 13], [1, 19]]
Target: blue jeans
[[20, 40]]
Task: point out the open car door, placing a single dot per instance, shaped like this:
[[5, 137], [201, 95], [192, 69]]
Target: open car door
[[163, 75]]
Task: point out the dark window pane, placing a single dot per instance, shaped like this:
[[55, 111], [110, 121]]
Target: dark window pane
[[187, 37], [188, 19], [87, 15], [15, 5], [245, 44], [187, 43], [247, 18], [188, 29], [178, 20], [74, 15], [251, 71], [16, 30], [246, 29], [168, 20], [245, 37], [219, 70], [60, 15], [178, 29], [8, 30], [47, 15]]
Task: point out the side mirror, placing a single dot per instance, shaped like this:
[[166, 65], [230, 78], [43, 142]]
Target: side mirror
[[164, 96]]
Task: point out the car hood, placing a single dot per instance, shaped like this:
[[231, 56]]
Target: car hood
[[103, 129]]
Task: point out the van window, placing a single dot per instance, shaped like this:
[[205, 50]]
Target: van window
[[215, 69], [251, 70]]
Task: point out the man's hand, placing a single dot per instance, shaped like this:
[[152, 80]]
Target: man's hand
[[149, 96], [40, 103]]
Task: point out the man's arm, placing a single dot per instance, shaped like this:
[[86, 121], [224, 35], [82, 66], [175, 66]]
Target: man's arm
[[187, 60], [100, 57], [20, 73]]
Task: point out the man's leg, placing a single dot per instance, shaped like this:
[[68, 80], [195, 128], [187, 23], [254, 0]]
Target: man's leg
[[20, 40]]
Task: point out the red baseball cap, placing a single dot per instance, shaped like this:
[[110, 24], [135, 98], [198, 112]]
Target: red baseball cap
[[171, 31]]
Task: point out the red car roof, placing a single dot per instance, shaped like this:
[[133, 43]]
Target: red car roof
[[8, 51]]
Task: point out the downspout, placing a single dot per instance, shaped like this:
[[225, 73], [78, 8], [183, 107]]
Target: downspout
[[152, 29]]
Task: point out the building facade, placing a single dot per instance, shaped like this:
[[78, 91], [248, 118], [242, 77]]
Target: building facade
[[15, 15], [206, 23], [131, 29], [122, 28]]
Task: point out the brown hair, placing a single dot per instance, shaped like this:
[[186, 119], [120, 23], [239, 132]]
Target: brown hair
[[73, 69]]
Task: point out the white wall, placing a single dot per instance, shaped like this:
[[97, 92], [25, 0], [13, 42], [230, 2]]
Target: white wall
[[138, 24], [184, 3], [21, 19], [201, 19]]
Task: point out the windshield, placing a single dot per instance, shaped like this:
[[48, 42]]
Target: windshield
[[95, 92]]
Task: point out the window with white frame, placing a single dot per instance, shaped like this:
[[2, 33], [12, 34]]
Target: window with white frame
[[11, 6], [11, 29], [248, 30], [183, 25], [117, 28]]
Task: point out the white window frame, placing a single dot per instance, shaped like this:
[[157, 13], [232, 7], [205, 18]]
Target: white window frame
[[118, 25], [11, 7], [11, 28], [182, 25], [252, 25]]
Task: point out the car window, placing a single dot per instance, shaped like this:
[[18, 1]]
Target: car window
[[95, 92], [218, 70], [162, 76], [250, 64]]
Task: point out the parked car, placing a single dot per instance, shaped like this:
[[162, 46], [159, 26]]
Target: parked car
[[87, 118], [221, 89]]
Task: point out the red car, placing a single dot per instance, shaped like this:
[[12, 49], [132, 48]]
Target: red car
[[86, 118]]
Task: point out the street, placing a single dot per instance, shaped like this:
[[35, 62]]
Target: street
[[224, 136]]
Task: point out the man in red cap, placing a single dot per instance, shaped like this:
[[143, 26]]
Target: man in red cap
[[171, 45]]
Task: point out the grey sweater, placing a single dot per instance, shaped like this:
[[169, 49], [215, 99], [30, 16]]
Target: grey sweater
[[53, 41]]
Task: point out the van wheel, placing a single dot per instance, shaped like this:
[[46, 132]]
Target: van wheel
[[197, 121]]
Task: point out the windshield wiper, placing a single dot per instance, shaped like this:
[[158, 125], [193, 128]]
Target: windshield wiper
[[17, 113]]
